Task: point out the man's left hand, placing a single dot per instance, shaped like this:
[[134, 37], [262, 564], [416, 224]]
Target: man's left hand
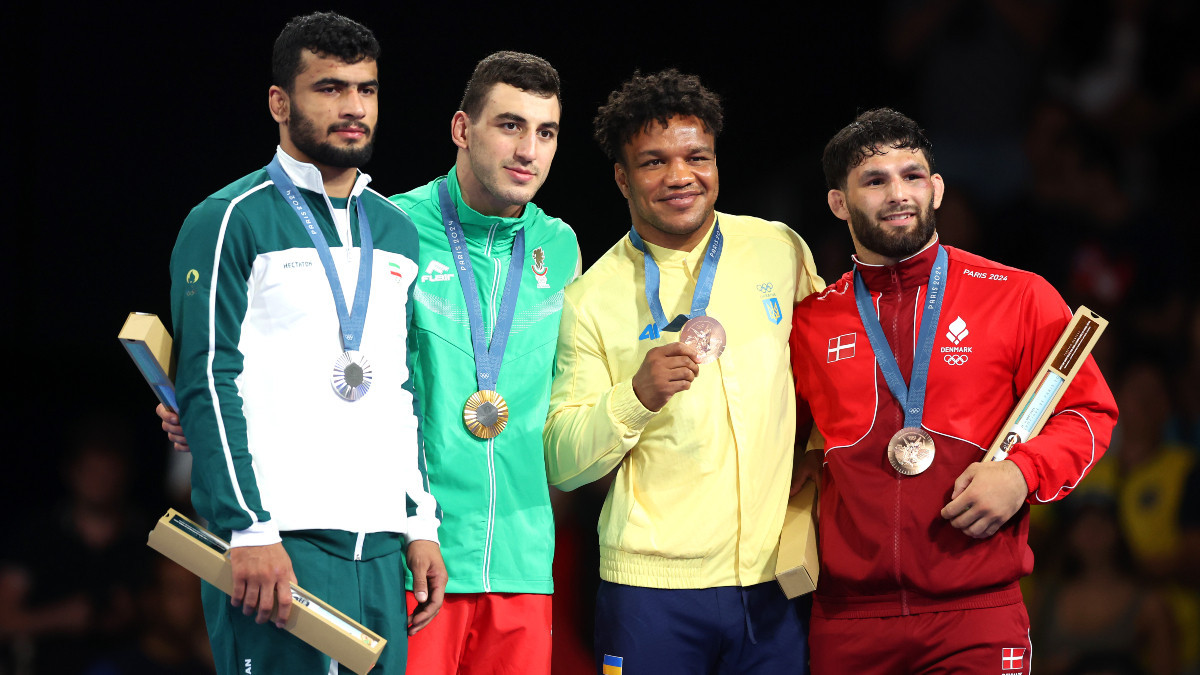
[[806, 467], [985, 496], [429, 582]]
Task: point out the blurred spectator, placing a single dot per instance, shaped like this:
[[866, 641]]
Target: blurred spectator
[[1080, 229], [1185, 425], [171, 638], [1096, 57], [1149, 476], [1100, 605], [1151, 471], [970, 66], [66, 584], [1189, 526]]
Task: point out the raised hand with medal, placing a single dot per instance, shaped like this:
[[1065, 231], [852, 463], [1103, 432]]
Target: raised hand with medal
[[352, 374], [911, 449], [670, 369], [485, 412]]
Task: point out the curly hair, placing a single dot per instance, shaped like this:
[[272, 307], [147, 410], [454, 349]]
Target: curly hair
[[648, 98], [328, 35], [524, 71], [871, 133]]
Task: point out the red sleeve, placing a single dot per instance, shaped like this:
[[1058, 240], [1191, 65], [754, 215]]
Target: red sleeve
[[1079, 430], [804, 420], [794, 347]]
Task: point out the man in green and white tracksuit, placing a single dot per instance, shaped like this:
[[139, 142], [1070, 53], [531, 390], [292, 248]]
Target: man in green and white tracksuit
[[497, 531], [305, 428]]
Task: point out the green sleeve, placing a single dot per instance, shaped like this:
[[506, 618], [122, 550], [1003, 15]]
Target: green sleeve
[[210, 269]]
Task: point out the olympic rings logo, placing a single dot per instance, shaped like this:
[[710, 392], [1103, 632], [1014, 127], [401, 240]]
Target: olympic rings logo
[[955, 359], [765, 288]]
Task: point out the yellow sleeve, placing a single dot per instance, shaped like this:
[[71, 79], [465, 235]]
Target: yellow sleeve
[[593, 421]]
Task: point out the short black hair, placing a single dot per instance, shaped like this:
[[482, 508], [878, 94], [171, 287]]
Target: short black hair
[[526, 72], [649, 98], [871, 133], [328, 35]]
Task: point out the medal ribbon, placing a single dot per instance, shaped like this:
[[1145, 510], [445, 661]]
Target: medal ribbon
[[912, 397], [704, 282], [487, 359], [353, 320]]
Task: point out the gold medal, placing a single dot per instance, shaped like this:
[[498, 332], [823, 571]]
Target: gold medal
[[706, 335], [911, 450], [485, 414]]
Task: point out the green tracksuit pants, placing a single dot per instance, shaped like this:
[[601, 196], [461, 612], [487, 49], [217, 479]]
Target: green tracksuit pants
[[369, 590]]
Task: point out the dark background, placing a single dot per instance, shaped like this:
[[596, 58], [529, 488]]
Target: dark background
[[1063, 129]]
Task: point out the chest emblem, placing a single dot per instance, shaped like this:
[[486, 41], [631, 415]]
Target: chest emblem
[[958, 331], [841, 348], [436, 271], [770, 302], [192, 277], [956, 355], [539, 267], [774, 312]]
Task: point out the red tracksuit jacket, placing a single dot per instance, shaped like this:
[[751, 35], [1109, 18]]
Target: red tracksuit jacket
[[885, 548]]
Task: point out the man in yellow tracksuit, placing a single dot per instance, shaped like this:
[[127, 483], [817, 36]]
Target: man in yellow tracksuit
[[702, 439]]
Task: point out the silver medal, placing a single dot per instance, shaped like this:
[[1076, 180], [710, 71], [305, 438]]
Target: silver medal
[[352, 376]]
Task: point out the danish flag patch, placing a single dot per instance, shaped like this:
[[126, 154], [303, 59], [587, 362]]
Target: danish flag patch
[[1012, 658], [841, 347]]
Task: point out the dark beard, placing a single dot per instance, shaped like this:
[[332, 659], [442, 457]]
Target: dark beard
[[895, 245], [304, 136]]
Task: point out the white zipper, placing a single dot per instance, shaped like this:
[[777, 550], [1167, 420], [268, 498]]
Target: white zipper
[[491, 444], [491, 519], [358, 546]]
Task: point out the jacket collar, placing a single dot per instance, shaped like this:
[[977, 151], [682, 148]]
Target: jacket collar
[[910, 272], [477, 226], [308, 177], [690, 260]]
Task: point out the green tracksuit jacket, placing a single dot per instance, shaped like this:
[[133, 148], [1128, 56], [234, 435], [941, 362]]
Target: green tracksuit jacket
[[497, 530], [256, 334]]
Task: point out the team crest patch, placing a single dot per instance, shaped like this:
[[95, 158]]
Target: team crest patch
[[958, 331], [539, 267], [612, 665], [770, 302], [394, 269], [774, 313]]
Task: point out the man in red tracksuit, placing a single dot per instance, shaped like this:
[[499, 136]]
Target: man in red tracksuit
[[920, 560]]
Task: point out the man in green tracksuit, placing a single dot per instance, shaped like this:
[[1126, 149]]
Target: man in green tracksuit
[[497, 531], [294, 383]]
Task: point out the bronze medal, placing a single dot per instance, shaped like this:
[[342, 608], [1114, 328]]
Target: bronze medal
[[911, 450], [706, 335], [485, 414]]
